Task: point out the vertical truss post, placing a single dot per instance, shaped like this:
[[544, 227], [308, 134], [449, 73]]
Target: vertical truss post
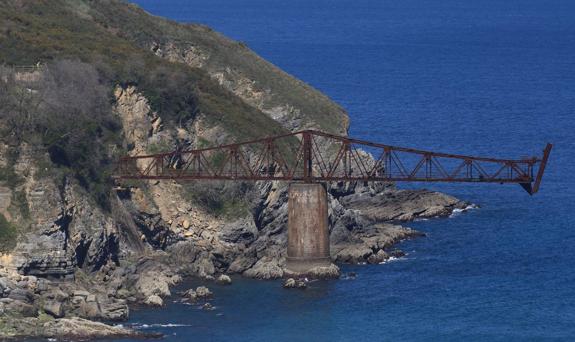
[[159, 165], [307, 157]]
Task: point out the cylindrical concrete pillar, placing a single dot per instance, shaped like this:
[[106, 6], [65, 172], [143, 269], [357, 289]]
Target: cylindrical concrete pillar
[[308, 231]]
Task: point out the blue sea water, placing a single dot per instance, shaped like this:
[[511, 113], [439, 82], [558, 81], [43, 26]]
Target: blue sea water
[[490, 77]]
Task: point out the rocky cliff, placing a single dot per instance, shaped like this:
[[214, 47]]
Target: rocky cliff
[[119, 81]]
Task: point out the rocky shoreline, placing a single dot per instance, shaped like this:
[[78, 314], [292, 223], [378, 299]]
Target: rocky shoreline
[[32, 306], [77, 249]]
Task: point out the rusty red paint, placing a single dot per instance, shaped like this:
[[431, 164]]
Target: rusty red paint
[[305, 161]]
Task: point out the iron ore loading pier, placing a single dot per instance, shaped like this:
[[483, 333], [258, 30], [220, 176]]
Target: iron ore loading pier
[[309, 159]]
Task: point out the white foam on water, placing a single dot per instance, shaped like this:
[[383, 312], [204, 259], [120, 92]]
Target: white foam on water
[[166, 325], [458, 211], [393, 259]]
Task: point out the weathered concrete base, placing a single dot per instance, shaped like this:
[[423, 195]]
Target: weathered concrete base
[[308, 232], [330, 271], [302, 265]]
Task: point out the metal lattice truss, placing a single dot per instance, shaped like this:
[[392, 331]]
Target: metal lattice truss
[[312, 156]]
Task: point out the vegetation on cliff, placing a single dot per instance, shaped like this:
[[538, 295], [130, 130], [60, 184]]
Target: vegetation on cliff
[[68, 111]]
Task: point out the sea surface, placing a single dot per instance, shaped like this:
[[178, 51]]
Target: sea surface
[[491, 78]]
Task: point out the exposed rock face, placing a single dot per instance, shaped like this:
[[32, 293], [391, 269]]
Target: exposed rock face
[[66, 229], [402, 205], [249, 78]]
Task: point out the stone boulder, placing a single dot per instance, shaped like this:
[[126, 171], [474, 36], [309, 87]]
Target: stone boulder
[[154, 300], [224, 280], [265, 268], [378, 258], [241, 231], [292, 283], [21, 308], [203, 292], [54, 309]]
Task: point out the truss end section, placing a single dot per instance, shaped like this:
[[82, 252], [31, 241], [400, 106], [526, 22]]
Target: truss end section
[[541, 170]]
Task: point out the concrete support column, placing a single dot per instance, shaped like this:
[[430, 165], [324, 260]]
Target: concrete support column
[[308, 230]]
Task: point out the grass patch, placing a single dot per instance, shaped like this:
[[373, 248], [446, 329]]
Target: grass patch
[[8, 235], [159, 147], [19, 202], [8, 176], [229, 200]]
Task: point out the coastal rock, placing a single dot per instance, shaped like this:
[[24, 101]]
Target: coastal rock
[[191, 295], [240, 231], [402, 205], [82, 329], [318, 272], [242, 263], [22, 295], [291, 283], [265, 268], [203, 292], [54, 309], [353, 254], [152, 284], [324, 272], [21, 308], [56, 294], [154, 300], [224, 280], [397, 253], [378, 258], [114, 310]]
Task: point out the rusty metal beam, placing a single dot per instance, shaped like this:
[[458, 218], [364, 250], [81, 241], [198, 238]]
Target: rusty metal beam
[[313, 156]]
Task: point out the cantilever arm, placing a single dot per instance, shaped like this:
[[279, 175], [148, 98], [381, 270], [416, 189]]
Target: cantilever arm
[[312, 156]]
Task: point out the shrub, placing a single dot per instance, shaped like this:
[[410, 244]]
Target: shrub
[[8, 235]]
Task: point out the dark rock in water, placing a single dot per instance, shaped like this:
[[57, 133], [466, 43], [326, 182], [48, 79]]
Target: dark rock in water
[[396, 253], [292, 283], [207, 306], [191, 295], [203, 292], [349, 276], [377, 258]]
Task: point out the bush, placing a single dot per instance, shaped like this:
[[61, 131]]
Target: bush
[[8, 235], [225, 199], [69, 114]]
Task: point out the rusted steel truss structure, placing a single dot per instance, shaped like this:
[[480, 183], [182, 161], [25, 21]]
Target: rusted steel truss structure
[[313, 156]]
